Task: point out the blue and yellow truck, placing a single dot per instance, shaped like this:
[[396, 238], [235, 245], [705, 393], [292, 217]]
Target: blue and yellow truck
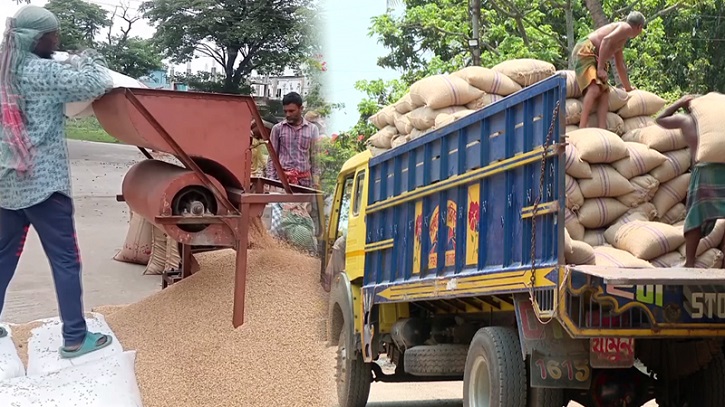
[[454, 270]]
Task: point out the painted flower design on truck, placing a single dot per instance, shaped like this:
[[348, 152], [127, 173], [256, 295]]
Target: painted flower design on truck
[[474, 214]]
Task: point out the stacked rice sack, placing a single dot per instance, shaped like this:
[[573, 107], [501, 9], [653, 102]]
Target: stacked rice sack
[[438, 100], [626, 192]]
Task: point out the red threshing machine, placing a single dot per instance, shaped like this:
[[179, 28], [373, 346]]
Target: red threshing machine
[[211, 200]]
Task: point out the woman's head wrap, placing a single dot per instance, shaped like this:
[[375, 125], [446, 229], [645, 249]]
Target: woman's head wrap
[[22, 33]]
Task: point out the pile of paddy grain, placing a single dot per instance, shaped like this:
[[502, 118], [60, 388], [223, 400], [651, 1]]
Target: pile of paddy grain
[[190, 355]]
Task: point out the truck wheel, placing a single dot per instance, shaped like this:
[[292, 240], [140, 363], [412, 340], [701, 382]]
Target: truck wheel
[[436, 360], [707, 387], [495, 372], [353, 374], [539, 397]]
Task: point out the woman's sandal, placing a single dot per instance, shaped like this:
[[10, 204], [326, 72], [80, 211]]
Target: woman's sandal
[[93, 342]]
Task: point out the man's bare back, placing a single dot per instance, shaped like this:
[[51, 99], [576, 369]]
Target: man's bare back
[[624, 32]]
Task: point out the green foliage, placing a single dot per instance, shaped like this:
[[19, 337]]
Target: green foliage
[[332, 154], [240, 35], [678, 52], [82, 22], [87, 129]]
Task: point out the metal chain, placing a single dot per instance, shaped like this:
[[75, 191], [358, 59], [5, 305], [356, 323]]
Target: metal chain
[[544, 153]]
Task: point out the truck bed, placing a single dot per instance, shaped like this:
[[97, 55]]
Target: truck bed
[[449, 214]]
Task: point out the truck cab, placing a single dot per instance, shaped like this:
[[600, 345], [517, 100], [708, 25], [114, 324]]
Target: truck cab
[[454, 271]]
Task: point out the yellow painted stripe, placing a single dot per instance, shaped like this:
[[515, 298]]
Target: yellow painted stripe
[[378, 248], [476, 175], [386, 242], [543, 209]]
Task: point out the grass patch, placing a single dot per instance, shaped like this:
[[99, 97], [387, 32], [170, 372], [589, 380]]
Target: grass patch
[[87, 129]]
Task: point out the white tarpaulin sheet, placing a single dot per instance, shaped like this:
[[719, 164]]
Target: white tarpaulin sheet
[[85, 109]]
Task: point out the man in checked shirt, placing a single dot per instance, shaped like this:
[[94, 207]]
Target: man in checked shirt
[[294, 142]]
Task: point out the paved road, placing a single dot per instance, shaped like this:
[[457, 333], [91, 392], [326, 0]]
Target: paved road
[[101, 224]]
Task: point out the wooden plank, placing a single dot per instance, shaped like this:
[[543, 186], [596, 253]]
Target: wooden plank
[[662, 276]]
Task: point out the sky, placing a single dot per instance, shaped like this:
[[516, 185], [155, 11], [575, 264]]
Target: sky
[[351, 55]]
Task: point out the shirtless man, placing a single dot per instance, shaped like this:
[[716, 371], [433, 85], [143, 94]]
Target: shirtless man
[[706, 194], [591, 57]]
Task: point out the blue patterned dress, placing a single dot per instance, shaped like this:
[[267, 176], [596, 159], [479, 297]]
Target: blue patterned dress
[[46, 86]]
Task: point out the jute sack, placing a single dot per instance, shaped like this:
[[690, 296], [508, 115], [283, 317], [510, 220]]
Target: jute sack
[[525, 71], [648, 240], [572, 225], [618, 98], [575, 166], [658, 138], [671, 259], [676, 214], [402, 123], [424, 118], [572, 87], [483, 101], [645, 187], [598, 146], [445, 119], [639, 122], [595, 237], [488, 80], [713, 240], [600, 212], [711, 259], [404, 104], [383, 138], [708, 113], [415, 133], [137, 247], [574, 197], [385, 117], [573, 111], [571, 127], [399, 140], [605, 182], [641, 160], [611, 257], [581, 253], [641, 103], [439, 91], [671, 193], [645, 212], [567, 242], [376, 151], [157, 262], [615, 124], [677, 163]]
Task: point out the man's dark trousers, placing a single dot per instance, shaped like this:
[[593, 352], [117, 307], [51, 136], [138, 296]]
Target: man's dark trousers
[[53, 221]]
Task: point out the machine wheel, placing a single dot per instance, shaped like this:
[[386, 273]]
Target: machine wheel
[[436, 360], [353, 374], [539, 397], [495, 372]]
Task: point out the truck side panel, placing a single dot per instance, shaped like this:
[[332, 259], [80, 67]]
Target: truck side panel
[[447, 213]]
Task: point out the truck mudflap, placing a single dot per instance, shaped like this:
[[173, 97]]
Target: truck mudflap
[[557, 360], [601, 301]]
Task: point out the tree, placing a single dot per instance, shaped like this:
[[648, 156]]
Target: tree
[[677, 52], [242, 36], [81, 24]]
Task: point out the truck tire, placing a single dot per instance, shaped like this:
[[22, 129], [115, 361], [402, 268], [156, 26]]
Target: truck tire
[[539, 397], [436, 360], [353, 374], [495, 373], [707, 387]]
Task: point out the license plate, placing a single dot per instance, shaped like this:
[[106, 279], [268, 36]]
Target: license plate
[[560, 372], [611, 353]]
